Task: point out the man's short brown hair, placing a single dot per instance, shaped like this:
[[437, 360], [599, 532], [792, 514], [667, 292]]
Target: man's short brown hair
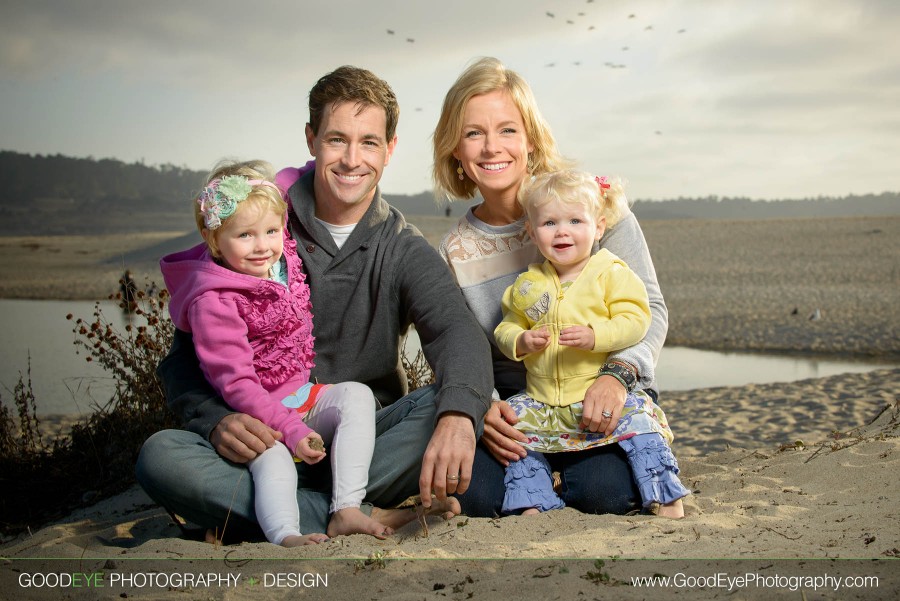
[[359, 86]]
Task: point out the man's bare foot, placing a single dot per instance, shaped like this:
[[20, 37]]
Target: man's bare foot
[[303, 539], [351, 520], [673, 510], [396, 518], [532, 511], [212, 537]]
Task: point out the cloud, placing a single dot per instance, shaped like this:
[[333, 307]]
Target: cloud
[[745, 86]]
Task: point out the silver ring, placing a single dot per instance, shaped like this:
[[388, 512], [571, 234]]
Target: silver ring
[[452, 478], [606, 414]]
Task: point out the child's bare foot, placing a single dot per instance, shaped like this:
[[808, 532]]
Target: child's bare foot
[[673, 510], [303, 539], [351, 520], [532, 511], [396, 518]]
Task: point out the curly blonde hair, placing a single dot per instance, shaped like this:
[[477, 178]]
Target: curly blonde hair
[[261, 197], [576, 187]]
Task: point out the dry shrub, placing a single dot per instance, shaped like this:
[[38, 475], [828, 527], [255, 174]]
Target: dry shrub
[[43, 480]]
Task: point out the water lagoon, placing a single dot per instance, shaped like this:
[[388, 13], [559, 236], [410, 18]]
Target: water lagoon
[[63, 382]]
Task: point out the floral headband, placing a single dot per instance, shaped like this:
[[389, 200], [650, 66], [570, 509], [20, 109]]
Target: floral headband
[[221, 196]]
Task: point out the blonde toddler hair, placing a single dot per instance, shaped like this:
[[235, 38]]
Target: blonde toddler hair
[[578, 187], [261, 197]]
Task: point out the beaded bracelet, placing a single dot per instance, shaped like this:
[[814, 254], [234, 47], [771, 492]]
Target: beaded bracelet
[[621, 373]]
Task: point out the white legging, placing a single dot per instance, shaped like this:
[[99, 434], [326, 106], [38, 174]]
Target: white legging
[[344, 416]]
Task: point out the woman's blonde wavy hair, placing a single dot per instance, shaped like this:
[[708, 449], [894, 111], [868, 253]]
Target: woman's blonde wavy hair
[[481, 77]]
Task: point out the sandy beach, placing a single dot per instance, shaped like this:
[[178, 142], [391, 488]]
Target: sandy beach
[[791, 482], [785, 496]]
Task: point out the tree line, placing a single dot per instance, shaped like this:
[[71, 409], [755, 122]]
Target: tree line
[[57, 194]]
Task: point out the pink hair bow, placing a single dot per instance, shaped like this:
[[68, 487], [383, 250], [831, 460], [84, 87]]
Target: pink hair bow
[[601, 181]]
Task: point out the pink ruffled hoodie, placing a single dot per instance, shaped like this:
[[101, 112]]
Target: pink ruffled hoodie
[[253, 336]]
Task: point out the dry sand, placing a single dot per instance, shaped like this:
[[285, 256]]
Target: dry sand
[[795, 479], [767, 509]]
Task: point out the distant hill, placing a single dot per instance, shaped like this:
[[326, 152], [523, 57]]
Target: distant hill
[[886, 203], [66, 195]]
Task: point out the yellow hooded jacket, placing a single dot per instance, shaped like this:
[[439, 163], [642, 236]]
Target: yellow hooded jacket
[[606, 295]]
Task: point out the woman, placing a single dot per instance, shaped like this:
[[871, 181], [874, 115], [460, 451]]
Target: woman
[[490, 138]]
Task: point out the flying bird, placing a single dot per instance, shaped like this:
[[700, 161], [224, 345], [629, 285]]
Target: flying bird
[[648, 28], [551, 15], [682, 30], [631, 16], [410, 40], [390, 31]]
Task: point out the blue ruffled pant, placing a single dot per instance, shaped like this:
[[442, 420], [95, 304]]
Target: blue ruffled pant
[[655, 468], [529, 483]]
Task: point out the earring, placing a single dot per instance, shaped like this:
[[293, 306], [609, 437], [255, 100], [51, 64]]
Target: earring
[[529, 165], [459, 171]]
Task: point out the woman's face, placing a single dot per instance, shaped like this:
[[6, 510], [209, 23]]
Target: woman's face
[[493, 147]]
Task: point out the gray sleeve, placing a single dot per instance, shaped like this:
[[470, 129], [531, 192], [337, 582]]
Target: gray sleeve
[[452, 341], [626, 240]]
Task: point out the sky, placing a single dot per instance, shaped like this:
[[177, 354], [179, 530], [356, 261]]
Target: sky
[[765, 99]]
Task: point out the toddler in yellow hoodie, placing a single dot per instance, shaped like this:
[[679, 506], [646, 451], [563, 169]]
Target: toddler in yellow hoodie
[[562, 317]]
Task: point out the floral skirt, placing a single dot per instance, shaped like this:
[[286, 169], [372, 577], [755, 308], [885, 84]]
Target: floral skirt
[[552, 429]]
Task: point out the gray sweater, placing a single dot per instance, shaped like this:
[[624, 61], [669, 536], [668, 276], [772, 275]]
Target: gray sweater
[[364, 297]]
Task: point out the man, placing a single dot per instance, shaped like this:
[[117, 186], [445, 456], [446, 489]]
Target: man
[[370, 275]]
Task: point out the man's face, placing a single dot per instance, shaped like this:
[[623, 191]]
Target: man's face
[[351, 152]]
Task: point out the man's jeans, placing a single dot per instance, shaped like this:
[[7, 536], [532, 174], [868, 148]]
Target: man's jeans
[[183, 472]]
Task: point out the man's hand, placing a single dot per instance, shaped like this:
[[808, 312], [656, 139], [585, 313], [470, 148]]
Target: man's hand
[[500, 437], [447, 463], [578, 336], [605, 394], [239, 437]]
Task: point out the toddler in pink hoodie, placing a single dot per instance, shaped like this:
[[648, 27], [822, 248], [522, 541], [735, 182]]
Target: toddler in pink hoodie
[[243, 297]]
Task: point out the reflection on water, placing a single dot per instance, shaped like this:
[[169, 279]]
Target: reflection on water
[[64, 382], [682, 368]]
